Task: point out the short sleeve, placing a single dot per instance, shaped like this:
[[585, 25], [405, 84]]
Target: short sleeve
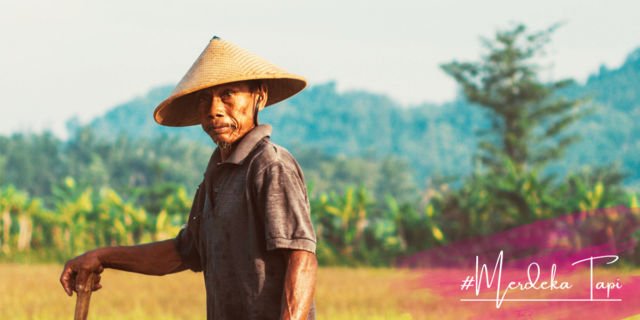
[[186, 241], [282, 196]]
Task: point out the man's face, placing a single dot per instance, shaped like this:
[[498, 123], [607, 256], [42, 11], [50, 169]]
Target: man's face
[[227, 111]]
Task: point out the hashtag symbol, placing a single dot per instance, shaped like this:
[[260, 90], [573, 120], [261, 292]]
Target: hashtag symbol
[[466, 283]]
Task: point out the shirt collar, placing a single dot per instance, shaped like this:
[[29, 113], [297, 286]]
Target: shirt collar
[[246, 144]]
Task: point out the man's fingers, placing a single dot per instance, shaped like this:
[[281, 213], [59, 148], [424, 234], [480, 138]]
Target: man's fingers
[[76, 274], [82, 283], [81, 280], [96, 283], [72, 283], [66, 279]]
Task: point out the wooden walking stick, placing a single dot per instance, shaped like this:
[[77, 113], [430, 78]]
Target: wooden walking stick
[[83, 297]]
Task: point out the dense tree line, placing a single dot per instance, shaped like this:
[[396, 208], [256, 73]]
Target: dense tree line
[[37, 163], [144, 170]]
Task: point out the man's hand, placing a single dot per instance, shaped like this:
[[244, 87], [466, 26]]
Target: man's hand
[[76, 271], [156, 258]]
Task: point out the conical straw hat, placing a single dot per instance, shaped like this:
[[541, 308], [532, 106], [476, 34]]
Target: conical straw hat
[[223, 62]]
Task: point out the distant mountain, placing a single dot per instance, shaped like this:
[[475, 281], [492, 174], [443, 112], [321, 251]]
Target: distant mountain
[[435, 140], [618, 88], [611, 135]]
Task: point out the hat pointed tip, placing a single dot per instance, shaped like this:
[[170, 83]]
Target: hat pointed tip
[[215, 38]]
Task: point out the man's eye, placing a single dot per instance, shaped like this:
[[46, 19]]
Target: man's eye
[[205, 97], [227, 93]]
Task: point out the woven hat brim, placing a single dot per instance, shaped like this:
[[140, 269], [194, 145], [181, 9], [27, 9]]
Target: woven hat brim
[[181, 108]]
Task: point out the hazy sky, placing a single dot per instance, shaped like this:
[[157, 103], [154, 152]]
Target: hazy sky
[[67, 58]]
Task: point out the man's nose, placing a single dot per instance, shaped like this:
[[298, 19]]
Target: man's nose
[[216, 108]]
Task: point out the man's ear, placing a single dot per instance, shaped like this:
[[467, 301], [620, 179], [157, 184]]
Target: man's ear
[[262, 95]]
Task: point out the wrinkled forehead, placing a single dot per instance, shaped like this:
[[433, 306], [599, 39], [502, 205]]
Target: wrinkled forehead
[[246, 85]]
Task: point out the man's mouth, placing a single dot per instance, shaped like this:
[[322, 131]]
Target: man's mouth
[[221, 128]]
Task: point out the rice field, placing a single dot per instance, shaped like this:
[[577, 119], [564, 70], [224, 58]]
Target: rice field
[[33, 292]]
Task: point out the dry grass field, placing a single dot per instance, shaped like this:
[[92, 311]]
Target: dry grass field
[[33, 292]]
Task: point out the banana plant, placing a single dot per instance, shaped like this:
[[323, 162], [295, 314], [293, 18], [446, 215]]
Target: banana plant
[[16, 220], [172, 216], [343, 220], [118, 222], [73, 206]]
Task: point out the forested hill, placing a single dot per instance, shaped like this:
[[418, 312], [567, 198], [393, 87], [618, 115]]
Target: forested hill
[[436, 140], [611, 135]]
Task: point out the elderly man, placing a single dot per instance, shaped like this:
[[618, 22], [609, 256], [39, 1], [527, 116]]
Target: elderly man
[[249, 228]]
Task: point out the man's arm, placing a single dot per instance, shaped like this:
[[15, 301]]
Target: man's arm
[[156, 258], [299, 284]]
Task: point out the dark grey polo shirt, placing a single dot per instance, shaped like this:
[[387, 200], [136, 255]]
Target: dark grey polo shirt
[[246, 207]]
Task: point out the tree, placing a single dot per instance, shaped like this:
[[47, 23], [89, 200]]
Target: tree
[[529, 118], [528, 121]]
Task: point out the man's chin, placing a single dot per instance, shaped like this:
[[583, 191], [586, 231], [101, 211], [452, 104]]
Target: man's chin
[[224, 141], [222, 144]]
